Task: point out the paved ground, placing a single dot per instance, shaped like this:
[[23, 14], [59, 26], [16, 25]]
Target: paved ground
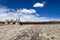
[[30, 32]]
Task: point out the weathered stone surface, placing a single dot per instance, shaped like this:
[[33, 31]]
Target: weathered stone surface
[[30, 32]]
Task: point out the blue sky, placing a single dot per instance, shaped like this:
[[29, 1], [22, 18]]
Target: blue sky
[[46, 10]]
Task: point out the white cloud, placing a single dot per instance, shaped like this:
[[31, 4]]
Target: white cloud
[[23, 14], [27, 11], [6, 13], [38, 5]]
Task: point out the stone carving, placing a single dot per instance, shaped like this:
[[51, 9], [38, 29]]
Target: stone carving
[[7, 21], [11, 21], [17, 21]]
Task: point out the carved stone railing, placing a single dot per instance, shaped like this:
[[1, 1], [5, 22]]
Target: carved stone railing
[[11, 21]]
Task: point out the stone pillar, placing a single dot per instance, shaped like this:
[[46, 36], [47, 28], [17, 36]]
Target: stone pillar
[[7, 20], [11, 21], [17, 21]]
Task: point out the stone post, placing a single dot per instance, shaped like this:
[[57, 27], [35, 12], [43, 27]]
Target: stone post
[[7, 20], [17, 21], [11, 21]]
